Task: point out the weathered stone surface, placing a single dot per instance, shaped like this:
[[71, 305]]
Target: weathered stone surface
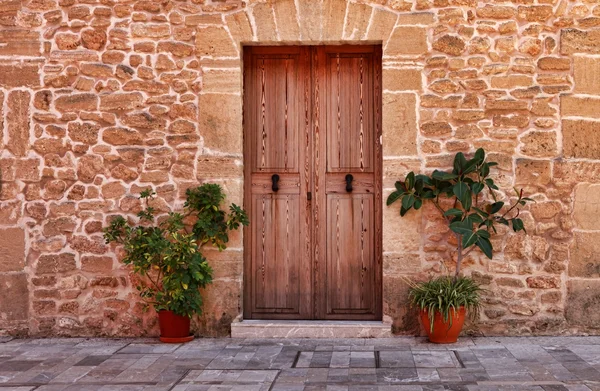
[[450, 44], [543, 282], [399, 124], [14, 297], [18, 122], [580, 106], [310, 16], [579, 41], [85, 132], [239, 26], [583, 303], [265, 22], [581, 139], [586, 207], [12, 256], [287, 20], [586, 75], [585, 255], [222, 81], [56, 263], [76, 102], [220, 119], [19, 42], [402, 79], [214, 41], [121, 101], [19, 75], [382, 24], [407, 41], [539, 144]]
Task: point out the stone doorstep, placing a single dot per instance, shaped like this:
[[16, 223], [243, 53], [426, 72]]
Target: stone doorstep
[[310, 329]]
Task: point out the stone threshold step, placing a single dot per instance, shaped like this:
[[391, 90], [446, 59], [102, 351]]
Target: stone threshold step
[[310, 329]]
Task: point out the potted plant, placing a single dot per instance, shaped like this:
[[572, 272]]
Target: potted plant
[[166, 253], [467, 200]]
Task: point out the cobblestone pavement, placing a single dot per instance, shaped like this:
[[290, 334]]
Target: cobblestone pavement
[[409, 364]]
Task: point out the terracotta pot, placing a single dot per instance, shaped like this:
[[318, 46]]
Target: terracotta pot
[[442, 331], [174, 328]]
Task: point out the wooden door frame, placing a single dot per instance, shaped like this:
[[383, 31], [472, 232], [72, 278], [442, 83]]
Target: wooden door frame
[[316, 105]]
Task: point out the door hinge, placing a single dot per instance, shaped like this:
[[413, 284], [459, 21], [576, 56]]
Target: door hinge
[[308, 195]]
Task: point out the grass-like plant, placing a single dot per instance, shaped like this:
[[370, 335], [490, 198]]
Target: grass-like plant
[[167, 255], [475, 210]]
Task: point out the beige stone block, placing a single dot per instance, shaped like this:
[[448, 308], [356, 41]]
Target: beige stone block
[[533, 172], [399, 124], [402, 79], [586, 210], [419, 18], [512, 81], [400, 234], [585, 255], [395, 169], [580, 106], [334, 12], [264, 20], [407, 41], [586, 74], [579, 41], [220, 121], [214, 41], [14, 297], [381, 25], [357, 20], [19, 42], [239, 27], [583, 303], [12, 243], [18, 122], [581, 139], [222, 80], [287, 20], [311, 19], [218, 167], [539, 144], [401, 263], [19, 75]]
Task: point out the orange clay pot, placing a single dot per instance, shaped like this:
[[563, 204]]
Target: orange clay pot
[[174, 328], [442, 331]]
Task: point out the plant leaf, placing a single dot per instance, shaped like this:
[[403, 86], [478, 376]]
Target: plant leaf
[[393, 197], [408, 201], [460, 228], [443, 176], [410, 181], [485, 245], [453, 212]]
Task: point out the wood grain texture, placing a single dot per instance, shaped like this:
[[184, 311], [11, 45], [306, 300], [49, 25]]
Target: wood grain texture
[[313, 115]]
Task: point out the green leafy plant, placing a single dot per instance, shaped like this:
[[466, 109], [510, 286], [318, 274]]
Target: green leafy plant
[[167, 255], [446, 295], [474, 213]]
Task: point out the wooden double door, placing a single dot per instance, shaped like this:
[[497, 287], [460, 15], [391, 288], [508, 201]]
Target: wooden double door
[[312, 156]]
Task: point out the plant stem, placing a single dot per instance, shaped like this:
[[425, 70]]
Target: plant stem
[[459, 256]]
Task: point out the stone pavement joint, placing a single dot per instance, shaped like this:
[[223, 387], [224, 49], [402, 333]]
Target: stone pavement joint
[[402, 363]]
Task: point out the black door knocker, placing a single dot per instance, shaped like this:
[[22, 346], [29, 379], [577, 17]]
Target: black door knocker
[[349, 179], [275, 180]]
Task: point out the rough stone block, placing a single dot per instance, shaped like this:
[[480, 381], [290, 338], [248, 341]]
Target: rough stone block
[[399, 124], [586, 74], [287, 20], [18, 122], [407, 41], [311, 19], [12, 243], [220, 119], [533, 172], [214, 41], [402, 79], [585, 255], [579, 41], [19, 42], [19, 75], [586, 211], [580, 106], [400, 234], [265, 22], [239, 27], [583, 303], [334, 12], [77, 102], [14, 297], [218, 167], [581, 139], [381, 25], [222, 80]]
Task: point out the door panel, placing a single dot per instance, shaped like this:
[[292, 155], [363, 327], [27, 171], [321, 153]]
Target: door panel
[[312, 117], [278, 254]]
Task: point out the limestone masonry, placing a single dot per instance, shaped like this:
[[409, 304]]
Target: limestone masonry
[[102, 98]]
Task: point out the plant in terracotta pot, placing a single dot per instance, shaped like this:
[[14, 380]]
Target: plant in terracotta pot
[[166, 252], [467, 199]]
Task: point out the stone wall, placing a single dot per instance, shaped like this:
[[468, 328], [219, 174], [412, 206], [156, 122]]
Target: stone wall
[[102, 98]]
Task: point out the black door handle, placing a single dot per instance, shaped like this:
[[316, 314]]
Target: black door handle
[[275, 180], [349, 179]]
